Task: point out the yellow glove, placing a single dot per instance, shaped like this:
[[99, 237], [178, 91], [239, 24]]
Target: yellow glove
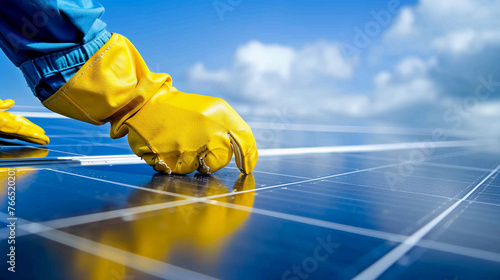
[[172, 131], [17, 127]]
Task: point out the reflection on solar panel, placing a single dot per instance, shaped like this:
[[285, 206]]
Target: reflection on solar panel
[[324, 202]]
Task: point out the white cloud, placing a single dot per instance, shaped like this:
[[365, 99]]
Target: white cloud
[[457, 27], [262, 73], [323, 59], [413, 66], [485, 118], [260, 59], [202, 74], [466, 41], [382, 79], [404, 24], [431, 57]]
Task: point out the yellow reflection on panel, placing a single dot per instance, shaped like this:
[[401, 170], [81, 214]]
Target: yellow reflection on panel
[[200, 229], [9, 152]]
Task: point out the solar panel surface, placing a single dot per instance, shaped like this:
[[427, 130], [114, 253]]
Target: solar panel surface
[[325, 202]]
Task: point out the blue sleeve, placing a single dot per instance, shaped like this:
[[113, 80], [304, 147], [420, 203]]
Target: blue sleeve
[[49, 40]]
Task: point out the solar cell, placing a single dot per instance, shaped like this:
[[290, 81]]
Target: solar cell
[[87, 209]]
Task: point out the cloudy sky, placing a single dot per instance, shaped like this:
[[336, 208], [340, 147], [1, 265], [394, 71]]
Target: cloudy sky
[[432, 63]]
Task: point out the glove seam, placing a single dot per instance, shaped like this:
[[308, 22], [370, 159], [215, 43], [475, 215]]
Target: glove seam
[[140, 135], [79, 76], [68, 100]]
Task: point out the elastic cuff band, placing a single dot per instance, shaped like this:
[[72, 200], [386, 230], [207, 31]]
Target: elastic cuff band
[[37, 69]]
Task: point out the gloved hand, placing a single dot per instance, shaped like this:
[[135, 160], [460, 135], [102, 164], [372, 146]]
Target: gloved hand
[[17, 127], [172, 131]]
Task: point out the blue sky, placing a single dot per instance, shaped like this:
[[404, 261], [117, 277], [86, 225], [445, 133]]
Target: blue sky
[[426, 59]]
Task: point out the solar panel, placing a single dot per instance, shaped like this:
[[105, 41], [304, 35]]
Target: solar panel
[[324, 202]]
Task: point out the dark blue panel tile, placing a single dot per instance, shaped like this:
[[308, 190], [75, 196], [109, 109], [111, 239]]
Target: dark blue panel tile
[[490, 194], [403, 182], [44, 195], [481, 160], [39, 258], [429, 264], [405, 170], [473, 225], [320, 165]]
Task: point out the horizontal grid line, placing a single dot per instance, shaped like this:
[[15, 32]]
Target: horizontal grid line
[[120, 184]]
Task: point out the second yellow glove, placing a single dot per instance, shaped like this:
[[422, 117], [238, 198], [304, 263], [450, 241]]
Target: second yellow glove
[[17, 127]]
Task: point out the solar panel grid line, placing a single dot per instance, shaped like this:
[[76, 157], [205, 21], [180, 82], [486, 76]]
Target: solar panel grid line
[[485, 203], [480, 193], [295, 158], [81, 160], [445, 225], [433, 164], [315, 222], [296, 182], [301, 218], [381, 265], [192, 199], [133, 158], [90, 141], [346, 197], [231, 193], [138, 262], [434, 212], [452, 154], [264, 172], [42, 115], [71, 136], [83, 245], [390, 189], [440, 246], [78, 130], [59, 151], [426, 177], [121, 184], [460, 250], [71, 221], [272, 173], [472, 185], [353, 148], [5, 170], [36, 227], [87, 144], [433, 157], [349, 156]]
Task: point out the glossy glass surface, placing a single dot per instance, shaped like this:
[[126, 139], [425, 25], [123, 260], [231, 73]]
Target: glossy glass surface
[[305, 216]]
